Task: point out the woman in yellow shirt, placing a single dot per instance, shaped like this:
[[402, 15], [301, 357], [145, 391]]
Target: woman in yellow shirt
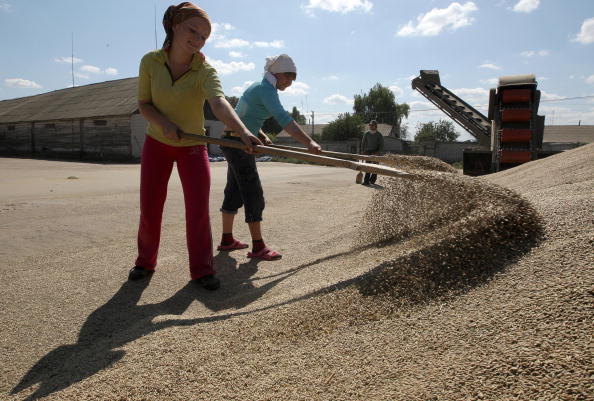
[[173, 84]]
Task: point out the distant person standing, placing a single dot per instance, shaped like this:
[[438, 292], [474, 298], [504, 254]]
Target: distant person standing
[[259, 102], [173, 84], [372, 144]]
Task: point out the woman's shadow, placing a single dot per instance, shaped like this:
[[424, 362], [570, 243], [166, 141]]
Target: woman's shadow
[[122, 320], [238, 289]]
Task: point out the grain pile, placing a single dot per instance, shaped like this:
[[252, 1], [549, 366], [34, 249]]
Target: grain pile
[[413, 163], [475, 293], [468, 228]]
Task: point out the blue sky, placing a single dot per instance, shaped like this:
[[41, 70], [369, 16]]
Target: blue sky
[[341, 48]]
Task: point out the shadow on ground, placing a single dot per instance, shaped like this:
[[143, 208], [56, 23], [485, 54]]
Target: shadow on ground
[[121, 320]]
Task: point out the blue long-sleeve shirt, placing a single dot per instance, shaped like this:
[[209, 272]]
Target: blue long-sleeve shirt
[[258, 103]]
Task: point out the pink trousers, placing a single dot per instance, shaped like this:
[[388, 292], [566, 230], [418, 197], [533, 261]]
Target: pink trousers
[[194, 172]]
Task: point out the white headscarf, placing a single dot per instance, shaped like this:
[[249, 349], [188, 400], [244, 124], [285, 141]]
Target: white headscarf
[[280, 63]]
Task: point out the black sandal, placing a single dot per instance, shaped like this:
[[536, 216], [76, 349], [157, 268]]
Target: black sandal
[[208, 282], [138, 273]]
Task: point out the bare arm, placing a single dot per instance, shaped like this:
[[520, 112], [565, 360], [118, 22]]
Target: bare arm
[[153, 115], [296, 132], [264, 138], [225, 113]]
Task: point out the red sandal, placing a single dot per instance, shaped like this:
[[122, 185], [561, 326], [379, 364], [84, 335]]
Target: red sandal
[[265, 254], [233, 246]]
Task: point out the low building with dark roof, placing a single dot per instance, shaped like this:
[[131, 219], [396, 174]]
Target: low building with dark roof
[[92, 122], [564, 137]]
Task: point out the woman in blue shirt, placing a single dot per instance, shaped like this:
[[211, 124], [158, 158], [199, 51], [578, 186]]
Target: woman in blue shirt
[[258, 103]]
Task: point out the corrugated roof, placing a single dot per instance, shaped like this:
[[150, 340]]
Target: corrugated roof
[[110, 98], [569, 133]]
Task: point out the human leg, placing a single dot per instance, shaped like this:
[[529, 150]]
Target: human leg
[[366, 178], [259, 248], [228, 242], [255, 230], [194, 173], [232, 201], [373, 177], [245, 171], [155, 170]]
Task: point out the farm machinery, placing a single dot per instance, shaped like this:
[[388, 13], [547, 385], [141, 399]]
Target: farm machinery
[[511, 133]]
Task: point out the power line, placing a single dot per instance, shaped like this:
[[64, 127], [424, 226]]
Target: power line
[[476, 106], [568, 98]]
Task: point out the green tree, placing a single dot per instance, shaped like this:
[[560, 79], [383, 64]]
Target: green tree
[[441, 131], [402, 110], [346, 126], [380, 104], [297, 116]]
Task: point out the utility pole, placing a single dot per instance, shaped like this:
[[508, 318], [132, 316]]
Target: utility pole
[[155, 9], [312, 123], [72, 58]]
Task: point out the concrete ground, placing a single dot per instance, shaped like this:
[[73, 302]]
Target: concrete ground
[[304, 327]]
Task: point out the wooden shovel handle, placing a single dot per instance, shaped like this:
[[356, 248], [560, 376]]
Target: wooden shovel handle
[[324, 160], [338, 155]]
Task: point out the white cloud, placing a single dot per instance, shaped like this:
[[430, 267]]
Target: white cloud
[[331, 78], [421, 105], [80, 75], [526, 6], [277, 44], [238, 90], [231, 43], [4, 6], [590, 80], [397, 90], [21, 83], [218, 28], [549, 96], [338, 99], [337, 6], [490, 66], [220, 40], [475, 97], [532, 53], [297, 89], [91, 68], [235, 54], [490, 81], [454, 16], [230, 68], [586, 35], [68, 60]]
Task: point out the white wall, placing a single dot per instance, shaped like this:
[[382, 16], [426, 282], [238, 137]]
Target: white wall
[[215, 130]]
